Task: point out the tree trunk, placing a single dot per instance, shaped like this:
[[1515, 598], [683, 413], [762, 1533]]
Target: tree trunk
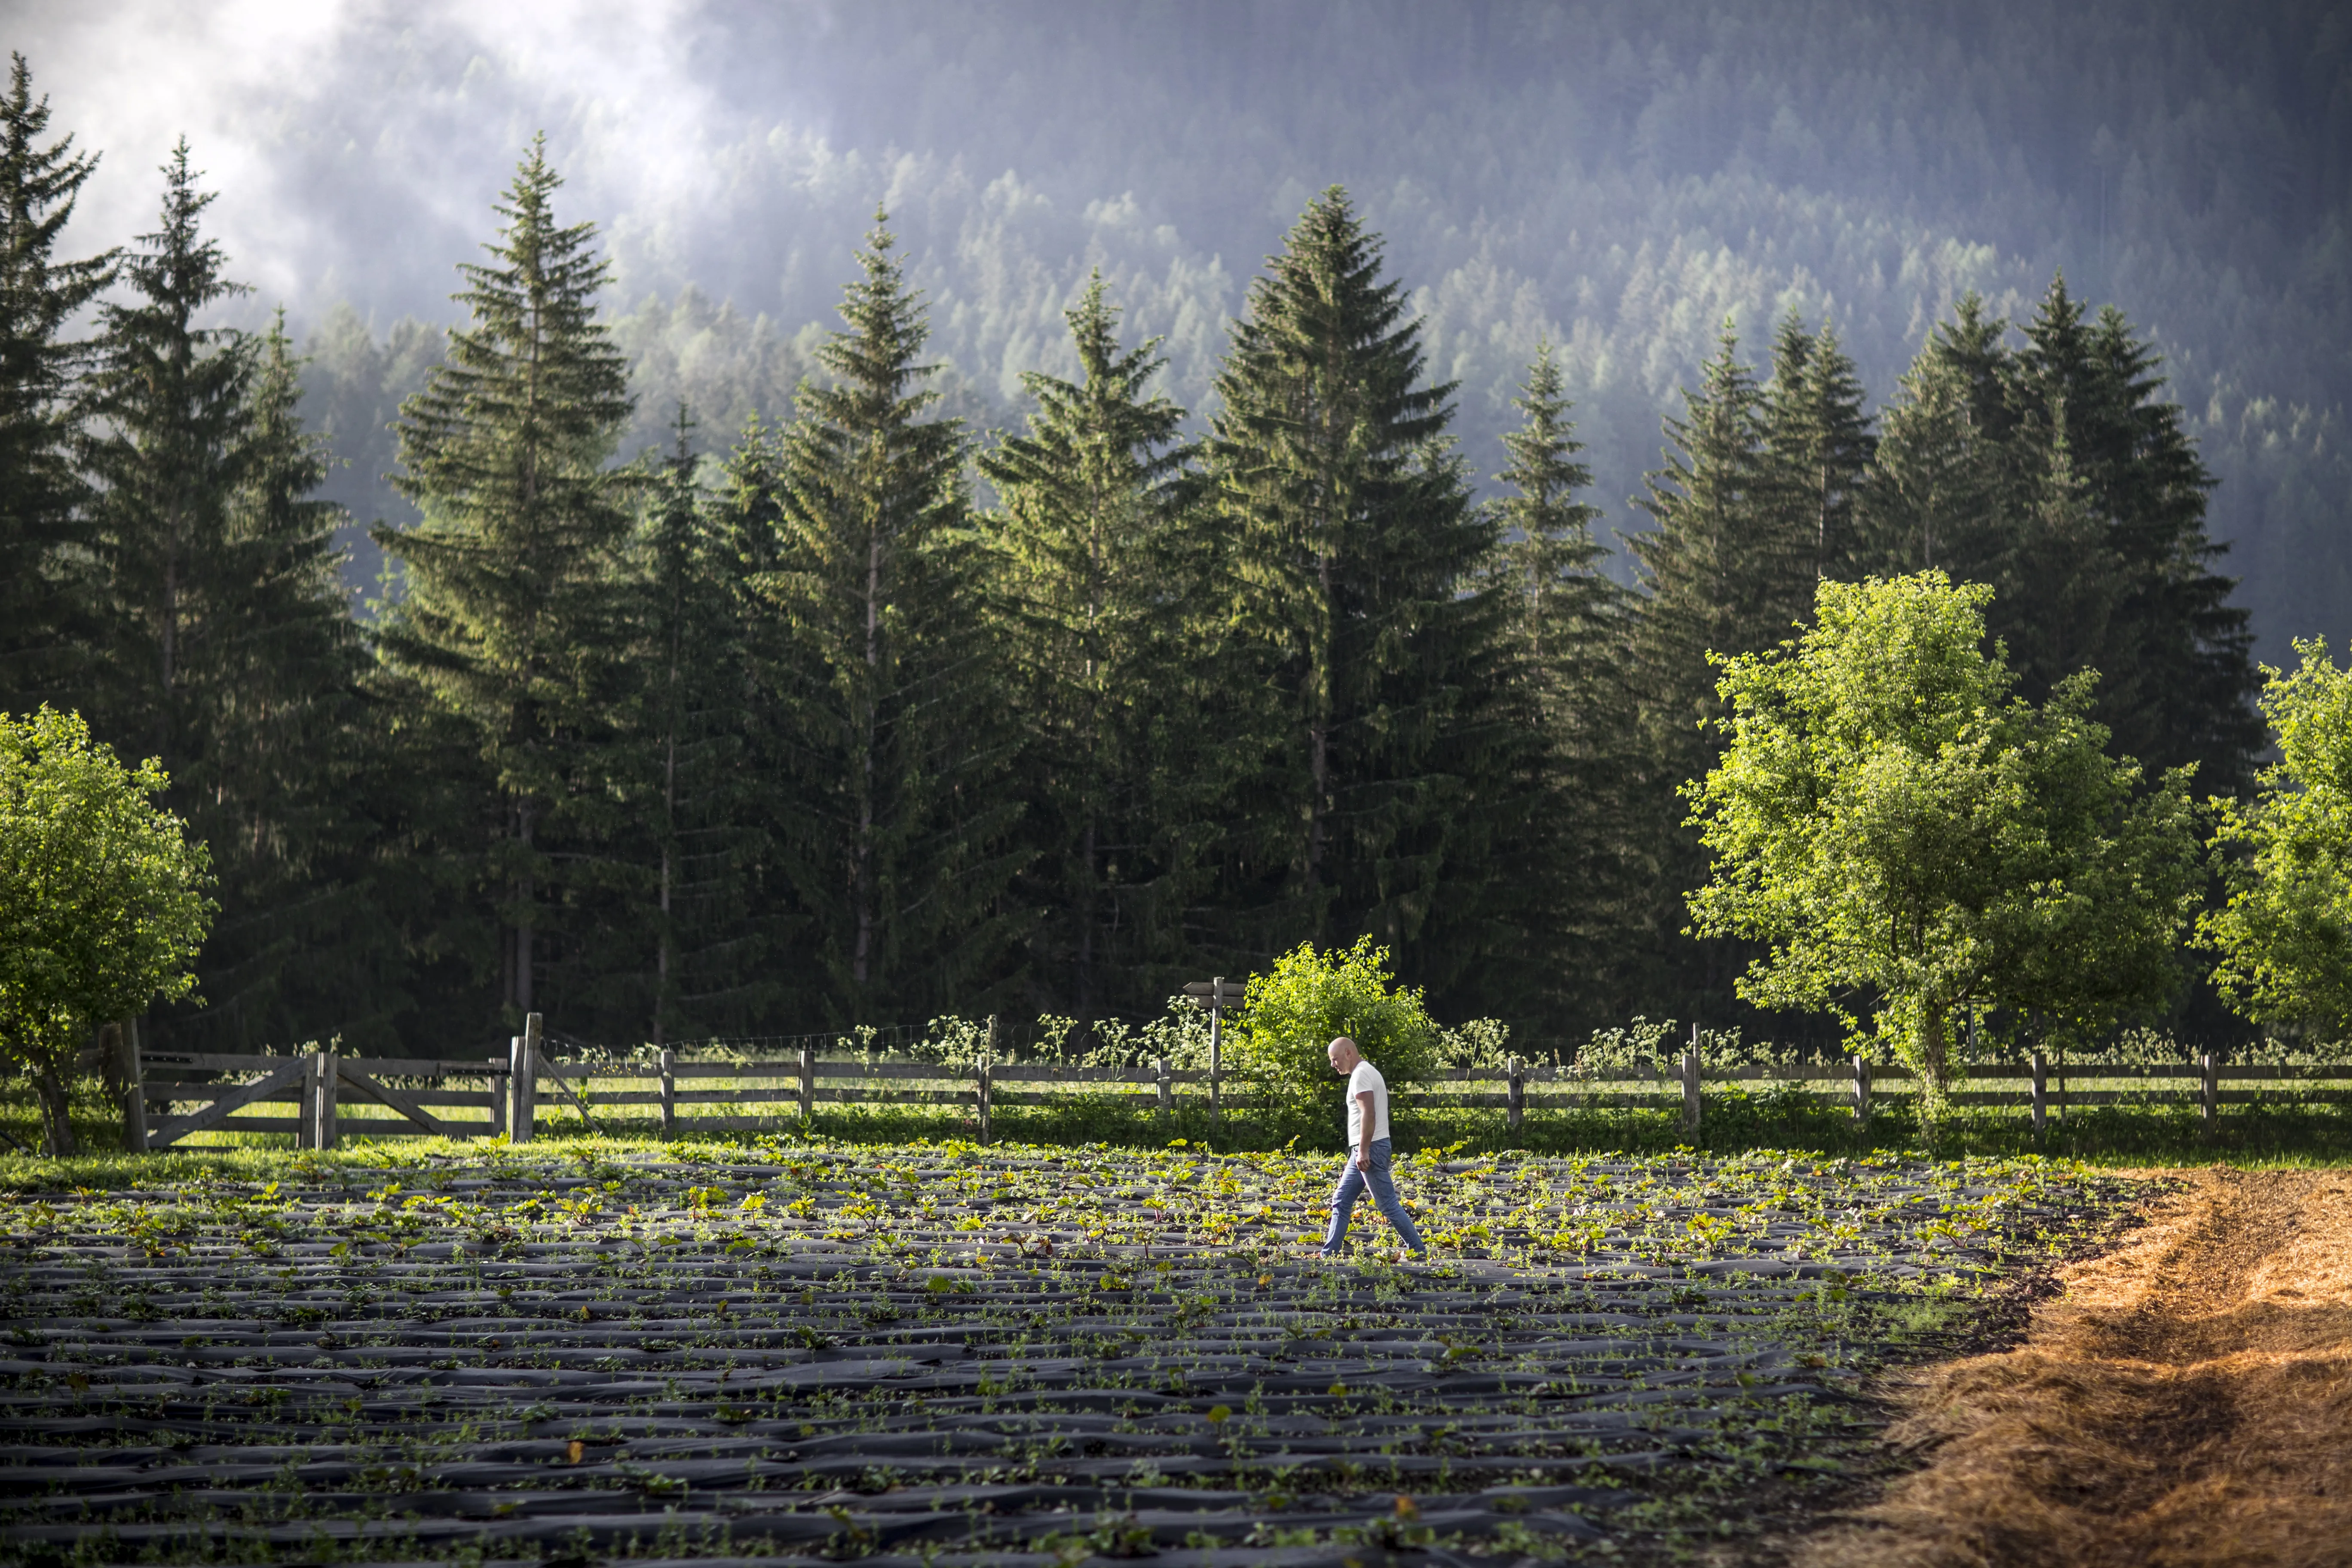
[[57, 1103]]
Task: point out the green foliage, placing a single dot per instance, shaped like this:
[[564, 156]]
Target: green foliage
[[102, 905], [1908, 839], [2285, 939], [1294, 1011], [512, 629], [1090, 565], [43, 601], [1383, 768], [1568, 621], [893, 816]]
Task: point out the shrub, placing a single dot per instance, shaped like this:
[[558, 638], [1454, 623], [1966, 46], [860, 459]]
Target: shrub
[[1292, 1015]]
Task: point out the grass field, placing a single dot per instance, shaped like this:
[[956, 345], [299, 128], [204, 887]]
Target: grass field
[[934, 1353]]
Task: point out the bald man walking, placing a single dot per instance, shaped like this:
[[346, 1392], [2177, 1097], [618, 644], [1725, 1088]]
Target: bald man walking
[[1368, 1150]]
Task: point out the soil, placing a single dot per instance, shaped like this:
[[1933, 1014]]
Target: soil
[[2183, 1400]]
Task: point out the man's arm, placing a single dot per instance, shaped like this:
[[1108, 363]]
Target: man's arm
[[1371, 1124]]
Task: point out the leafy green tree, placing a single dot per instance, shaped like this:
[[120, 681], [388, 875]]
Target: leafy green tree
[[892, 744], [102, 905], [44, 594], [1294, 1011], [1907, 837], [1568, 623], [2285, 939], [512, 623], [1089, 547], [1382, 768]]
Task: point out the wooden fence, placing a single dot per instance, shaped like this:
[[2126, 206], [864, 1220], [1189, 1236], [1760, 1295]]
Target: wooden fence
[[321, 1097]]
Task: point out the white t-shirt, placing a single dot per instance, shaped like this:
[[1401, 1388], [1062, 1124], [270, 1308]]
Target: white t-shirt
[[1367, 1078]]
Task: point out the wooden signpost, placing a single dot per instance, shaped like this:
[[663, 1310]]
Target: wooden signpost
[[1220, 994]]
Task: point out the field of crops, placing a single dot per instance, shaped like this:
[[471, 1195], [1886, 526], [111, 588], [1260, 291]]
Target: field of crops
[[942, 1354]]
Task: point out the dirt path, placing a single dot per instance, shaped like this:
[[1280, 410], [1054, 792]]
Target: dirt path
[[2185, 1400]]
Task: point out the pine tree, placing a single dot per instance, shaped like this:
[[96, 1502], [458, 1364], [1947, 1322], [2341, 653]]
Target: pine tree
[[165, 447], [2056, 473], [1727, 570], [1569, 623], [43, 594], [293, 757], [513, 619], [893, 834], [2175, 657], [1817, 442], [1938, 493], [1389, 777], [707, 974], [228, 647], [1089, 546]]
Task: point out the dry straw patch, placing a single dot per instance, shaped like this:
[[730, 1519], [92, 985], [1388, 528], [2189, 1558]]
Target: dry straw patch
[[2186, 1400]]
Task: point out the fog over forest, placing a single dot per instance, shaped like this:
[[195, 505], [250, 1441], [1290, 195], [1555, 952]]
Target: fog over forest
[[1618, 178]]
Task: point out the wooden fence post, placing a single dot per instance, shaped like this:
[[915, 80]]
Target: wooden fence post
[[1216, 1047], [1690, 1091], [979, 1078], [2040, 1065], [134, 1087], [2210, 1097], [1861, 1091], [1166, 1088], [522, 1089], [1515, 1092], [808, 1081], [668, 1093], [323, 1098]]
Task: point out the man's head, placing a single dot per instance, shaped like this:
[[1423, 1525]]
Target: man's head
[[1344, 1055]]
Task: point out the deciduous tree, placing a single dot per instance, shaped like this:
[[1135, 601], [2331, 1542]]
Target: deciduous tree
[[2285, 939], [102, 904], [1911, 841]]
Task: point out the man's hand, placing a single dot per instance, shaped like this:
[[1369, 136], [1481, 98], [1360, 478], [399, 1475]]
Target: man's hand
[[1364, 1158]]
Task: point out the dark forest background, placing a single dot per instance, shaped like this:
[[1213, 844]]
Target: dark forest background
[[1623, 184]]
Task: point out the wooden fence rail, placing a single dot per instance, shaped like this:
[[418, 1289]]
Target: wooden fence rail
[[169, 1096]]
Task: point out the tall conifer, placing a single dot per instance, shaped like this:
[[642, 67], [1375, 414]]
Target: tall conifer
[[1090, 545], [1729, 570], [699, 810], [228, 649], [893, 832], [43, 591], [1568, 623], [513, 616], [1818, 442], [1387, 778]]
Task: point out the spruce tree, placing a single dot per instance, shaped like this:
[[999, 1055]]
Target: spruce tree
[[893, 836], [513, 619], [1569, 622], [43, 591], [1817, 442], [1089, 547], [294, 759], [166, 447], [228, 649], [1388, 776], [691, 749], [1729, 570], [2175, 657], [2057, 473]]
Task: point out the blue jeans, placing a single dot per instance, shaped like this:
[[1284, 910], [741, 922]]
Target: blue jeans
[[1352, 1182]]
